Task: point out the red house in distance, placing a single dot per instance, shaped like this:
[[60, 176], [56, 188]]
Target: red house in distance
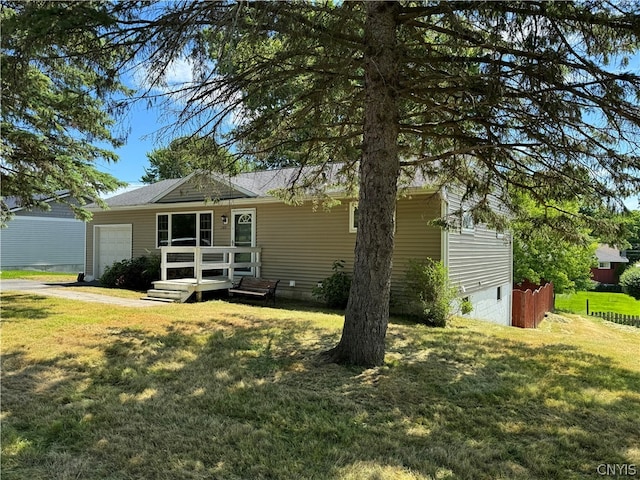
[[609, 260]]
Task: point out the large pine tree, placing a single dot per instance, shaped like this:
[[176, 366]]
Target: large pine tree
[[59, 80], [491, 97]]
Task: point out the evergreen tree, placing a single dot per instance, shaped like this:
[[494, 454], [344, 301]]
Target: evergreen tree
[[489, 97], [58, 84]]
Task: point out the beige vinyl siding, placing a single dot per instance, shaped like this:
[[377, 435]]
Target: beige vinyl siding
[[191, 191], [415, 238], [298, 243], [143, 228], [480, 259]]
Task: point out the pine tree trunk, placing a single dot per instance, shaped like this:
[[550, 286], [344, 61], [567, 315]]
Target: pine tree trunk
[[367, 314]]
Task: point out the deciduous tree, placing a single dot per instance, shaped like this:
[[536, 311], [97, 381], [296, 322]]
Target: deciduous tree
[[553, 243], [186, 155]]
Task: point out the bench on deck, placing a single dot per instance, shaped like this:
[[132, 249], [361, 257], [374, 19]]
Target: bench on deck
[[256, 288]]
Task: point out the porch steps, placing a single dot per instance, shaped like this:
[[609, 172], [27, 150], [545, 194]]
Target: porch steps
[[164, 291], [180, 290]]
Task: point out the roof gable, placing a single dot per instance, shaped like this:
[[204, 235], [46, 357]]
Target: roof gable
[[199, 187]]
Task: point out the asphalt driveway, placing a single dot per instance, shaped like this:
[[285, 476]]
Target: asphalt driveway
[[64, 290]]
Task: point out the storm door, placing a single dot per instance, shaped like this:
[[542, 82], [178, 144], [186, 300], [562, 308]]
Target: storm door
[[244, 235]]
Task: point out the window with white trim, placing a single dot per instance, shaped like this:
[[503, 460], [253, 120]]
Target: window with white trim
[[353, 217], [604, 265], [184, 229], [467, 225]]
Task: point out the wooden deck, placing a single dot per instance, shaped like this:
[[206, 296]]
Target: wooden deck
[[204, 285], [181, 289], [201, 259]]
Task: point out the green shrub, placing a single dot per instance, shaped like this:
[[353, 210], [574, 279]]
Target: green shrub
[[334, 290], [630, 281], [466, 306], [135, 274], [430, 293]]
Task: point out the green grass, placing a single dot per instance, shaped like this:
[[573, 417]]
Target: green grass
[[230, 391], [37, 275], [598, 302]]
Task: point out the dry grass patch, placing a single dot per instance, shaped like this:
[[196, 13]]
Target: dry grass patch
[[113, 292], [229, 391]]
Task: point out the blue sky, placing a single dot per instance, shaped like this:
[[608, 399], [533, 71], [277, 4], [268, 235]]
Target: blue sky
[[143, 126]]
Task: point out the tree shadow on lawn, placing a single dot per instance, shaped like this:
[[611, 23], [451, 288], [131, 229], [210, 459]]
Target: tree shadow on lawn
[[13, 309], [235, 402]]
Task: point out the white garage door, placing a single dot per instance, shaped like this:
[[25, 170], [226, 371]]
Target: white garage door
[[112, 244]]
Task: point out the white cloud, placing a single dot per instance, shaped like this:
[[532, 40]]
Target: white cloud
[[180, 71]]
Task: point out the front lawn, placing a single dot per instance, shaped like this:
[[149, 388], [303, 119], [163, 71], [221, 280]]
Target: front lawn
[[37, 275], [598, 302], [220, 390]]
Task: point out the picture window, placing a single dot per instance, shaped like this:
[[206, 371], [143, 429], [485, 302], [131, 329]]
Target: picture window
[[184, 229]]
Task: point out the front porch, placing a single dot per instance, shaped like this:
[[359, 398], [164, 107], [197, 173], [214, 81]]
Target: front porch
[[188, 270]]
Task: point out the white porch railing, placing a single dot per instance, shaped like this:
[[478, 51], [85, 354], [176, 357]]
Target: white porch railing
[[208, 258]]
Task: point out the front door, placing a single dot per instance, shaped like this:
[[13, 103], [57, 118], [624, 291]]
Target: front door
[[244, 235]]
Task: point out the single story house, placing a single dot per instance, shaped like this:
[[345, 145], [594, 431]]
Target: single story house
[[610, 264], [236, 220], [52, 240]]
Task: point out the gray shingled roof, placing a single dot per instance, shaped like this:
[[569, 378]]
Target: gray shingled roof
[[14, 203], [262, 182], [252, 184], [605, 253], [142, 195]]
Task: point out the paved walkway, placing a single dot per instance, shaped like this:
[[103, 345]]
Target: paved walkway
[[63, 290]]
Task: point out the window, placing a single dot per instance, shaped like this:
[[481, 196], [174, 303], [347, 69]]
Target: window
[[163, 230], [206, 230], [184, 229], [466, 223], [353, 217], [604, 265]]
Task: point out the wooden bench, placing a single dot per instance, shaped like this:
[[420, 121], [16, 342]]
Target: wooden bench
[[256, 288]]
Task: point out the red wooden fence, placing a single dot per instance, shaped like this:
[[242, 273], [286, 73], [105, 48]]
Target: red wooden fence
[[530, 303]]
